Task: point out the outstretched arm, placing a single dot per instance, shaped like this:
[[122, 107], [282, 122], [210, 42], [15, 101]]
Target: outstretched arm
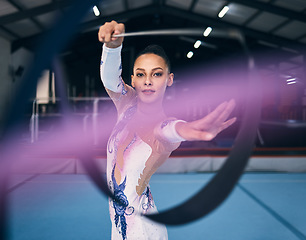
[[206, 128]]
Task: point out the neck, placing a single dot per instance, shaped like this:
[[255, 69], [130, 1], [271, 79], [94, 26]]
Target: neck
[[150, 108]]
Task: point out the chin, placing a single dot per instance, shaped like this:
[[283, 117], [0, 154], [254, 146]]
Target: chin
[[148, 101]]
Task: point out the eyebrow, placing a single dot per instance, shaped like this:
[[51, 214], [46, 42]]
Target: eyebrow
[[157, 68]]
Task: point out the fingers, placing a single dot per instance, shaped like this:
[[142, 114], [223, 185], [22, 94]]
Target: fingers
[[227, 124], [223, 115], [106, 32], [209, 134], [208, 127], [215, 114], [219, 115], [119, 28]]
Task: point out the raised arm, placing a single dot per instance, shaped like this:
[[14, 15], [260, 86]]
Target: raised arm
[[110, 66]]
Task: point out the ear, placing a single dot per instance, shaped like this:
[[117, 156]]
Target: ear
[[132, 82], [170, 79]]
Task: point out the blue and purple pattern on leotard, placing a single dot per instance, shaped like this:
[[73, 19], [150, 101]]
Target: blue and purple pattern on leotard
[[120, 204], [165, 123], [119, 127], [149, 204]]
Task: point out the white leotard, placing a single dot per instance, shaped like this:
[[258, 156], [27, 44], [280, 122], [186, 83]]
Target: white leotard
[[138, 145]]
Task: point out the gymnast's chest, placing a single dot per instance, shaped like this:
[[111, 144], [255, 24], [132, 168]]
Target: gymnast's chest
[[136, 141], [133, 141]]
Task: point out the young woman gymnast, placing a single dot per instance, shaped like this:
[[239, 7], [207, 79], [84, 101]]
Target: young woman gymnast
[[143, 137]]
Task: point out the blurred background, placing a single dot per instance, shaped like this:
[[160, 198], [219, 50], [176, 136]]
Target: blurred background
[[275, 32]]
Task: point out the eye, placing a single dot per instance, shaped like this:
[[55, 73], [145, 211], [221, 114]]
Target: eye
[[158, 74], [139, 74]]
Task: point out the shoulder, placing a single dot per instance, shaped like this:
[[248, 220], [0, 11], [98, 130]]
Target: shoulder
[[123, 100]]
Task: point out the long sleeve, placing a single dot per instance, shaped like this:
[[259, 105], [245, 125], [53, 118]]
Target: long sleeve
[[110, 69], [122, 94]]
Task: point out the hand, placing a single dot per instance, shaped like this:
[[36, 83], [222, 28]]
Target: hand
[[207, 128], [106, 32]]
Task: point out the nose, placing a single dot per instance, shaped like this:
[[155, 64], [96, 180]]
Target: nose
[[148, 81]]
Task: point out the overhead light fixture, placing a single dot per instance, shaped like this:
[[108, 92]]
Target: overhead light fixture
[[291, 80], [207, 31], [190, 54], [96, 11], [197, 44], [203, 44], [223, 11]]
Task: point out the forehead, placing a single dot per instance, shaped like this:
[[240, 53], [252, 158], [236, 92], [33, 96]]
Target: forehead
[[150, 60]]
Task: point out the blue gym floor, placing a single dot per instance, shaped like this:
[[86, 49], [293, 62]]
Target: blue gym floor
[[263, 206]]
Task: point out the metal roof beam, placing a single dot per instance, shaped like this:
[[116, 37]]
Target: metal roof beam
[[176, 12], [33, 12], [21, 9], [14, 35], [120, 17], [126, 5], [219, 23], [206, 21], [192, 5], [268, 7]]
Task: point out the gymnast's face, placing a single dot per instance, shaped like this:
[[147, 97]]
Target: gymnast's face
[[151, 78]]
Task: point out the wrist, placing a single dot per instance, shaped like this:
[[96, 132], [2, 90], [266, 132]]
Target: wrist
[[112, 45]]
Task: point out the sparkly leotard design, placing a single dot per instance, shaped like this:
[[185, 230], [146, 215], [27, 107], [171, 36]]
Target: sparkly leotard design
[[137, 146]]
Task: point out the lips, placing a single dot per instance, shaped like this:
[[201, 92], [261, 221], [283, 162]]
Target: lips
[[148, 91]]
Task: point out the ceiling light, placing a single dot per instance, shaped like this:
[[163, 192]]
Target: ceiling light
[[197, 44], [96, 11], [291, 80], [190, 54], [207, 31], [223, 11]]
